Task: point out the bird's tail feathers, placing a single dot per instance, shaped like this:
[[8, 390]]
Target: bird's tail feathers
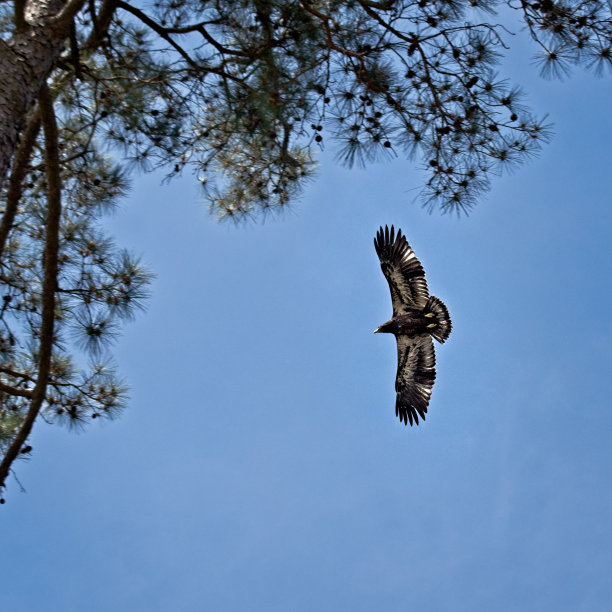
[[439, 310]]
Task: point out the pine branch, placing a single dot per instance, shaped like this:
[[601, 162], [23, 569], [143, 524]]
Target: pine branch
[[164, 34], [54, 206], [325, 19]]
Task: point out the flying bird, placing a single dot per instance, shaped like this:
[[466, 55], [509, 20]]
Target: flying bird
[[417, 317]]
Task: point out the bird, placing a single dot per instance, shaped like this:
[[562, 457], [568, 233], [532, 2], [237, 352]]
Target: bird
[[417, 318]]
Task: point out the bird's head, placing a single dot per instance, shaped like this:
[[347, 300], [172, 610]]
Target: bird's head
[[386, 328]]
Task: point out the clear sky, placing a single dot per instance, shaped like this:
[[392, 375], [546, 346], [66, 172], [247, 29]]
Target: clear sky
[[260, 465]]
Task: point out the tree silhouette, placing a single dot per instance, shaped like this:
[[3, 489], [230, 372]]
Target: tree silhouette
[[242, 93]]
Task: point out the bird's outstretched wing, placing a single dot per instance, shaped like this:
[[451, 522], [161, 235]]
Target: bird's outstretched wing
[[403, 271], [416, 373]]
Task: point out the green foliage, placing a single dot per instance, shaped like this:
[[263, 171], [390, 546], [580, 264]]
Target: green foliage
[[97, 286], [244, 94]]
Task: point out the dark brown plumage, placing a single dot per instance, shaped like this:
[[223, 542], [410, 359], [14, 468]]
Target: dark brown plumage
[[417, 317]]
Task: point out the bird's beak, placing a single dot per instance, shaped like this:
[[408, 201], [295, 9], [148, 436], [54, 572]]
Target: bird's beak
[[376, 330]]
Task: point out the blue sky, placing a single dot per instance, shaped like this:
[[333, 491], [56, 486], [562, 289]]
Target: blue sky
[[260, 465]]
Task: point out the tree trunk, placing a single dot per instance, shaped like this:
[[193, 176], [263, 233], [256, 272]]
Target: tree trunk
[[26, 60]]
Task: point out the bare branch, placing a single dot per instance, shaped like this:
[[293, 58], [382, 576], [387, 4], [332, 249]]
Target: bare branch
[[382, 6], [16, 374], [218, 46], [158, 29], [74, 51], [20, 22], [20, 167], [66, 15], [91, 4], [100, 24], [15, 390]]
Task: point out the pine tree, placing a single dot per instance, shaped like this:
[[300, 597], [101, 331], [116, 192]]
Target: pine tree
[[244, 93]]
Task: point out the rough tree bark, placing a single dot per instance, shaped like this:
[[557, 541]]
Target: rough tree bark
[[26, 60]]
